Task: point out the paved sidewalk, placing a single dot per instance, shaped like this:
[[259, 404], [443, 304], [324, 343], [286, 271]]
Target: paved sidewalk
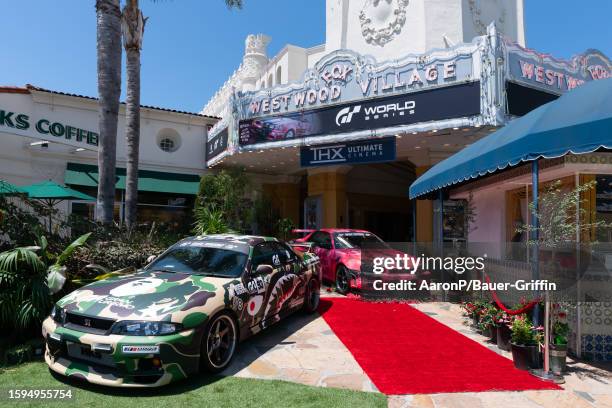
[[304, 349], [585, 385], [301, 349]]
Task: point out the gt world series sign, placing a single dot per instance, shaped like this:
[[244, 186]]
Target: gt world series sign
[[366, 151], [456, 101]]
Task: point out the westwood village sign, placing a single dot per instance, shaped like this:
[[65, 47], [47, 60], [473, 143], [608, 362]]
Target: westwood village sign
[[345, 75]]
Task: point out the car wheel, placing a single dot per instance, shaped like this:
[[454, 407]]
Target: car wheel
[[290, 134], [342, 280], [219, 343], [312, 296]]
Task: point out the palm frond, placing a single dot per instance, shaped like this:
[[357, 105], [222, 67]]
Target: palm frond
[[80, 241]]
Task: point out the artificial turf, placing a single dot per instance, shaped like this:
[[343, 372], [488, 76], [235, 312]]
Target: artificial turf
[[203, 391]]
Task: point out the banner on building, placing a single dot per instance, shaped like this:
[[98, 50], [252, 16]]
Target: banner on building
[[216, 145], [363, 151], [435, 104]]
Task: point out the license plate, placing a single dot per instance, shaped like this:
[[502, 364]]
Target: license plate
[[88, 352], [84, 352]]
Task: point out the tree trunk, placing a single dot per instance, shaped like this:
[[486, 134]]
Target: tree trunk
[[108, 15], [132, 27]]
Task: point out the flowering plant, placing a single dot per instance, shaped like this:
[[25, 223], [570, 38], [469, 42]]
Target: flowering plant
[[503, 318], [523, 332], [560, 326], [488, 317]]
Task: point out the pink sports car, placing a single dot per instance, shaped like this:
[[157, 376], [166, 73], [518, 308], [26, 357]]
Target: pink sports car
[[345, 255]]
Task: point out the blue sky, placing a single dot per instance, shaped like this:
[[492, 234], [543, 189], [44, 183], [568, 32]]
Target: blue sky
[[192, 46]]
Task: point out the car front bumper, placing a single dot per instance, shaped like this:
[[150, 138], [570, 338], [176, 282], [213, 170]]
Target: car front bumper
[[121, 361]]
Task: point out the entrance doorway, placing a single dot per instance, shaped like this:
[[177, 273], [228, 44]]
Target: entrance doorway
[[377, 199]]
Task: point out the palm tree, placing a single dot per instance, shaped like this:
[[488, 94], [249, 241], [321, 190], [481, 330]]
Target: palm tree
[[111, 24], [108, 16], [132, 27]]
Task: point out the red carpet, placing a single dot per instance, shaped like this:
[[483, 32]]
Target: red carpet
[[404, 351]]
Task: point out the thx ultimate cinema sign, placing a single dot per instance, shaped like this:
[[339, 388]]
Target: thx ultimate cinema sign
[[346, 76]]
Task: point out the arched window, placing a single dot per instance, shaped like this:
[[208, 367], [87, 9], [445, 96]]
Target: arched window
[[278, 75], [270, 81]]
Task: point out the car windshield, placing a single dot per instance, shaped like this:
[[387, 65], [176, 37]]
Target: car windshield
[[201, 260], [358, 240]]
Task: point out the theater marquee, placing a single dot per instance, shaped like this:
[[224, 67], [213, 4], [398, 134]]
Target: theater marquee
[[345, 76], [436, 104]]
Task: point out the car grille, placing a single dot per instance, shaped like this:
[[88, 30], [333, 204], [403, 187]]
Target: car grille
[[88, 324]]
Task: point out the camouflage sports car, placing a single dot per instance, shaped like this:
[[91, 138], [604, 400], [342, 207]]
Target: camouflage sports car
[[184, 312]]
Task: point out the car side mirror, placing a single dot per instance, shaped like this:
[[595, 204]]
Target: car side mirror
[[151, 258], [263, 269]]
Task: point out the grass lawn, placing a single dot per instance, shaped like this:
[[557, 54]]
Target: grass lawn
[[204, 391]]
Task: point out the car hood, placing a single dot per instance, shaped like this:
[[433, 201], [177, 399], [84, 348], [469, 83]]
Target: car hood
[[152, 296]]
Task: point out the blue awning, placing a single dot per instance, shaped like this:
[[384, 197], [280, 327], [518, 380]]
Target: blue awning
[[578, 122]]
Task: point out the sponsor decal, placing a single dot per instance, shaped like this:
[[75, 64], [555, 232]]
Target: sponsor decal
[[237, 290], [257, 285], [140, 349], [115, 301], [254, 305]]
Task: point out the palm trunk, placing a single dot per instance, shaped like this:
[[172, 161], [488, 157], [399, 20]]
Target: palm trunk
[[132, 26], [109, 90]]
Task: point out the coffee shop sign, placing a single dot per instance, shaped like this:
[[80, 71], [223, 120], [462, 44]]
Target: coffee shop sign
[[341, 81]]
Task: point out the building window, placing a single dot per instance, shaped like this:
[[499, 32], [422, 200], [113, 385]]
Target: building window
[[168, 140], [278, 76], [167, 145], [270, 81]]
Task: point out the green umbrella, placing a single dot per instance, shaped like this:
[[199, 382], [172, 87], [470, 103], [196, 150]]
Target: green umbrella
[[7, 188], [51, 193]]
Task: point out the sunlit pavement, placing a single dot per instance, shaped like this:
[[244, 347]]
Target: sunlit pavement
[[585, 385], [301, 349], [304, 349]]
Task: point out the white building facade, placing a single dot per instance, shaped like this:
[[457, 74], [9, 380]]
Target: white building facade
[[50, 135], [414, 80]]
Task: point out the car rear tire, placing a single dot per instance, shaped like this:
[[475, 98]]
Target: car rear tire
[[342, 280], [218, 343], [312, 296]]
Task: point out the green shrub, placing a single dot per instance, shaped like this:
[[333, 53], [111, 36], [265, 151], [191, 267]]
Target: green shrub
[[523, 332], [110, 255], [224, 195]]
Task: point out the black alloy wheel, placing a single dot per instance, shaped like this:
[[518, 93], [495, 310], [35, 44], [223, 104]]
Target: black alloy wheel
[[219, 343]]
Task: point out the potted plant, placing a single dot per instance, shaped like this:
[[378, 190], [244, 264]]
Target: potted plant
[[503, 330], [524, 344], [472, 310], [488, 321], [558, 344]]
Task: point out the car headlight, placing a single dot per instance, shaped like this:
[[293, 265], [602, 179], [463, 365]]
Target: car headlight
[[58, 314], [135, 328]]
